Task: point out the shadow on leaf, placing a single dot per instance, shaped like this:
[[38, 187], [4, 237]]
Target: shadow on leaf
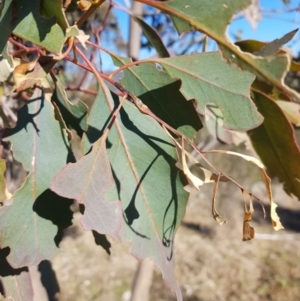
[[169, 223], [167, 101], [6, 270], [56, 209], [101, 240], [25, 118]]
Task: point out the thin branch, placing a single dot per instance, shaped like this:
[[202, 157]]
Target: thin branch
[[88, 68], [102, 26], [138, 62], [25, 48], [86, 91], [63, 55], [95, 4], [116, 112], [86, 72]]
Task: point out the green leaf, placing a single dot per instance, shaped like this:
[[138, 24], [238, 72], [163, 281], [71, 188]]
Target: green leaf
[[252, 46], [74, 114], [153, 37], [161, 94], [74, 31], [269, 69], [275, 143], [201, 15], [180, 25], [5, 27], [87, 181], [54, 8], [208, 79], [1, 6], [23, 19], [213, 123], [148, 183], [29, 225], [213, 20]]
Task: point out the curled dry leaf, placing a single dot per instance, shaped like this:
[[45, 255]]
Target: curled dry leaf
[[196, 182], [274, 216], [26, 75], [182, 154], [215, 214], [248, 231]]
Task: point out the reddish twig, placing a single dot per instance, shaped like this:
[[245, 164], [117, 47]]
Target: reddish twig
[[63, 55], [98, 31], [86, 91], [25, 48]]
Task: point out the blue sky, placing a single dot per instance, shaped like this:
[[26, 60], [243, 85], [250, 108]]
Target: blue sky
[[268, 29], [272, 27]]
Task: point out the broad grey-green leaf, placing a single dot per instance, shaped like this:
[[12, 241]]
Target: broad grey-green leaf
[[201, 15], [212, 19], [24, 20], [148, 183], [275, 143], [208, 79], [55, 9], [87, 181], [161, 94], [28, 225]]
